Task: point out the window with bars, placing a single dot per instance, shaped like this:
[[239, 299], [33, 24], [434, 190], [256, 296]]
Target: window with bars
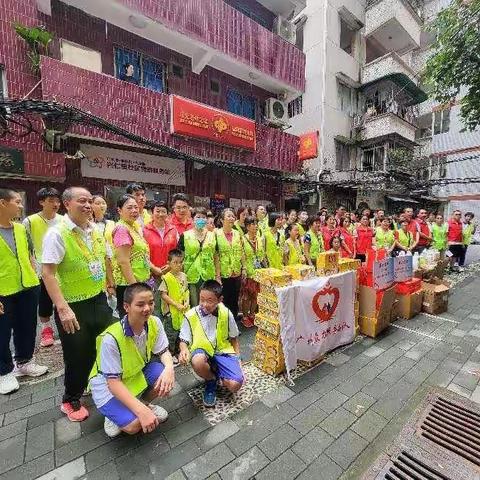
[[295, 107], [343, 154], [146, 72], [347, 99], [373, 159], [242, 105]]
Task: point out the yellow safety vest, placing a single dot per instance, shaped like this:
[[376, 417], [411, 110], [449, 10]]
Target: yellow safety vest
[[38, 229], [179, 294], [229, 254]]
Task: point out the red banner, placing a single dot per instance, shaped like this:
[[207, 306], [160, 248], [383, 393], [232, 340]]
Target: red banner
[[308, 146], [193, 119]]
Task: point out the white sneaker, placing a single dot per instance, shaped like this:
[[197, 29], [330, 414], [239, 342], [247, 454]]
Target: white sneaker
[[111, 429], [8, 383], [159, 412], [29, 369]]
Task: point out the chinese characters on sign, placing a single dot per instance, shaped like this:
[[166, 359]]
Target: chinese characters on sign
[[383, 273], [403, 268], [193, 119]]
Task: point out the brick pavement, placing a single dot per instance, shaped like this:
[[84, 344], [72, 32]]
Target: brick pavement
[[330, 424]]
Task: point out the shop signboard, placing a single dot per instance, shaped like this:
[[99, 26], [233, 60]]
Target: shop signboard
[[383, 273], [308, 147], [11, 160], [402, 268], [116, 164], [193, 119], [217, 203]]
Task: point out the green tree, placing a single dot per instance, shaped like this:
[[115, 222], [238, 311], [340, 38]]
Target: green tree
[[455, 62]]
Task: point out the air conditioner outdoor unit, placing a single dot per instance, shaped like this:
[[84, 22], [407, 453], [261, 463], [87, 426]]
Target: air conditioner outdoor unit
[[276, 111], [286, 29]]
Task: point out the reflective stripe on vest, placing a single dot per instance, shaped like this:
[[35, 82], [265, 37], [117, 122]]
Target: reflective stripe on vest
[[81, 274], [199, 266], [199, 337], [132, 361], [274, 251], [229, 254], [16, 271], [180, 295], [139, 256]]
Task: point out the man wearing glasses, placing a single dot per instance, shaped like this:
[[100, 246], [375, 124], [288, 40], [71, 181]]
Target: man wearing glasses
[[181, 218]]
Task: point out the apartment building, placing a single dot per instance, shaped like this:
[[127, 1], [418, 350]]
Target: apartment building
[[203, 77], [364, 96]]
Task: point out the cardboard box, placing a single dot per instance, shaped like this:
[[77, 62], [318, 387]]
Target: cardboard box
[[328, 262], [347, 264], [272, 277], [435, 296], [438, 271], [407, 306], [269, 324], [375, 310], [268, 353], [300, 272]]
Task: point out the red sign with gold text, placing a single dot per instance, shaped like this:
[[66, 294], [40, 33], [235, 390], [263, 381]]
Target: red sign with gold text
[[193, 119], [308, 146]]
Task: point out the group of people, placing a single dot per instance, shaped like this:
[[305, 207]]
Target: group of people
[[182, 280]]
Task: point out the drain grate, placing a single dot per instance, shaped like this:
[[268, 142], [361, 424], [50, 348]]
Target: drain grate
[[408, 467], [454, 428]]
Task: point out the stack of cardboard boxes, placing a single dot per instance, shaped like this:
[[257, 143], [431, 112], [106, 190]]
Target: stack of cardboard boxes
[[349, 264], [268, 351], [435, 296], [409, 296]]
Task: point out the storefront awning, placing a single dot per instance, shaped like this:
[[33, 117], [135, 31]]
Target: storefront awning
[[404, 200]]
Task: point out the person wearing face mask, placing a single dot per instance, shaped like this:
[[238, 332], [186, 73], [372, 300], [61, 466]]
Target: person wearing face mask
[[199, 246]]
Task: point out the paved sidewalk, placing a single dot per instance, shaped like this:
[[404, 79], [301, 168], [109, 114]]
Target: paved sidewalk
[[331, 424]]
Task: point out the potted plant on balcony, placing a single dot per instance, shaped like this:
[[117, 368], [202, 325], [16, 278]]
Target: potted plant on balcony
[[38, 40]]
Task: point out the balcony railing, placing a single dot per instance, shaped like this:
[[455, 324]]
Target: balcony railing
[[416, 5], [389, 65], [387, 124], [147, 114], [230, 32]]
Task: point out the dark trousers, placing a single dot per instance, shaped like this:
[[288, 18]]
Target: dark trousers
[[120, 292], [45, 305], [79, 349], [463, 254], [20, 317], [231, 291], [361, 256]]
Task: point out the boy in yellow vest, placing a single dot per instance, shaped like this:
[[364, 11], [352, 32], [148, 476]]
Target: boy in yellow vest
[[18, 296], [175, 297], [209, 338], [125, 377], [37, 226]]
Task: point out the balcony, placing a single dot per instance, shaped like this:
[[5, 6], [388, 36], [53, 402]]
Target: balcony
[[388, 125], [147, 113], [210, 32], [394, 24]]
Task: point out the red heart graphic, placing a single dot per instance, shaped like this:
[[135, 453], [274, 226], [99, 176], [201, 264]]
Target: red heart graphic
[[327, 311]]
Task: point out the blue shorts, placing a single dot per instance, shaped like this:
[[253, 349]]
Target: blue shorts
[[116, 411], [225, 365]]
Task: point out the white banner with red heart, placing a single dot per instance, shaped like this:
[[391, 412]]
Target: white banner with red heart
[[316, 316]]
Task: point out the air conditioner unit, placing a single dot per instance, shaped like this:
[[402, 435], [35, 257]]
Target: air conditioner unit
[[286, 29], [276, 111]]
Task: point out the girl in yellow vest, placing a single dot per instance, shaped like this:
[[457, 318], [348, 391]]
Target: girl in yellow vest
[[313, 240], [209, 338], [274, 241], [19, 289], [404, 239], [175, 298], [37, 226], [132, 255], [199, 246], [239, 226], [229, 260], [125, 378], [384, 236], [254, 250], [293, 249]]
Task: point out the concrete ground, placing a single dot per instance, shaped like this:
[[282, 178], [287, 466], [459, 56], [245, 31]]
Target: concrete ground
[[331, 424]]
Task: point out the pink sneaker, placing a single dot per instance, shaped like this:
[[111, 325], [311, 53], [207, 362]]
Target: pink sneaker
[[46, 337], [75, 411]]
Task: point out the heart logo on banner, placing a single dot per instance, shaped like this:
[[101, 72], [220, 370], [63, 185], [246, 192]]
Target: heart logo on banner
[[325, 302]]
